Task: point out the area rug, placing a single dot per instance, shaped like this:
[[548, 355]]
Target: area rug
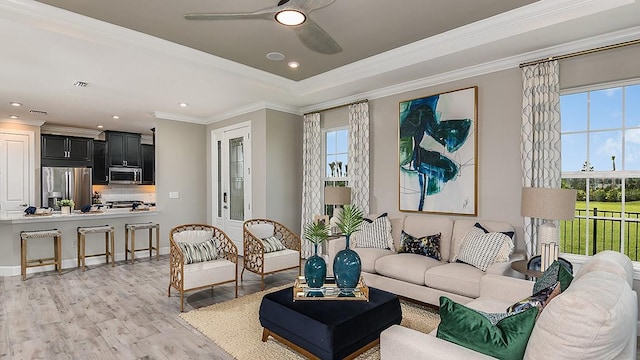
[[234, 326]]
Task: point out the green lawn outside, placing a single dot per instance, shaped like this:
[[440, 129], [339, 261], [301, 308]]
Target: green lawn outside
[[607, 232]]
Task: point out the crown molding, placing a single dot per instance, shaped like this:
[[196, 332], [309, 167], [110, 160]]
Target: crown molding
[[69, 131], [178, 117], [485, 68], [541, 14], [261, 105], [23, 122]]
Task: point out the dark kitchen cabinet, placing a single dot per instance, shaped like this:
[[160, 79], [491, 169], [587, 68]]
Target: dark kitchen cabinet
[[100, 164], [148, 153], [124, 149], [60, 150]]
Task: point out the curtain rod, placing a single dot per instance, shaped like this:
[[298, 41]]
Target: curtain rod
[[337, 106], [583, 52]]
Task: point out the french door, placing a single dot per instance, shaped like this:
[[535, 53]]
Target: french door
[[231, 147]]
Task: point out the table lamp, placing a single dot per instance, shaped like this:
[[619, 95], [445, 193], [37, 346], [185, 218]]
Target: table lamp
[[548, 204], [336, 195]]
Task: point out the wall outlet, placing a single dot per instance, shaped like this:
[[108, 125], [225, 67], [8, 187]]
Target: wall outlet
[[174, 195]]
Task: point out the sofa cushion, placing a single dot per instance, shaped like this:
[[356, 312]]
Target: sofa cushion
[[480, 249], [426, 245], [420, 225], [592, 319], [610, 261], [505, 338], [374, 233], [405, 267], [457, 278], [368, 257]]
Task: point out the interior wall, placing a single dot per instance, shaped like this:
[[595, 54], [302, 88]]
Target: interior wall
[[284, 168]]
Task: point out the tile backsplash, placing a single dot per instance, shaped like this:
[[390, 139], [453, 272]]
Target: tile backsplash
[[146, 193]]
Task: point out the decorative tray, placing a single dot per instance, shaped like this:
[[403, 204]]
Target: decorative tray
[[34, 215], [136, 210], [329, 291]]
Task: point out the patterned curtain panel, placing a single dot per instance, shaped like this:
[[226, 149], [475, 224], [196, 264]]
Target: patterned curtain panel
[[540, 148], [312, 176], [358, 174]]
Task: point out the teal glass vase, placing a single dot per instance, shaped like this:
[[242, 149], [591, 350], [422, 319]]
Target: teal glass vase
[[346, 268], [315, 270]]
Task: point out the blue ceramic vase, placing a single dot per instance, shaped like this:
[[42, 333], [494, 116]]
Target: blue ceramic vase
[[346, 268], [315, 270]]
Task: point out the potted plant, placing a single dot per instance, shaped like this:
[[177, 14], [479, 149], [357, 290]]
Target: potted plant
[[347, 264], [66, 205], [315, 269]]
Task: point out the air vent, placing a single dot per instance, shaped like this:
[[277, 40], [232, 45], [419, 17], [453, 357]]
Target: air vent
[[80, 83], [38, 112]]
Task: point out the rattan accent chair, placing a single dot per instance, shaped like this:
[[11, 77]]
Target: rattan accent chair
[[261, 263], [199, 275]]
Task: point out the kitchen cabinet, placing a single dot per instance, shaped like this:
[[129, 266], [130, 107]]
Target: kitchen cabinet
[[148, 154], [124, 149], [60, 150], [100, 164]]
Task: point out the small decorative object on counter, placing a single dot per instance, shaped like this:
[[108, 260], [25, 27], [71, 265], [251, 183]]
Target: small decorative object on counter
[[66, 205], [315, 269], [96, 198], [347, 263]]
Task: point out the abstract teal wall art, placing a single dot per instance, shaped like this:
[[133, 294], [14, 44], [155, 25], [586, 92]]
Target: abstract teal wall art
[[437, 153]]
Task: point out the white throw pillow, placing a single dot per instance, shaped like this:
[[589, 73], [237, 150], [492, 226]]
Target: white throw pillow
[[374, 234], [481, 249], [272, 244], [507, 248]]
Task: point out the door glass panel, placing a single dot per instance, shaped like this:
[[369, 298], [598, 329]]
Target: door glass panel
[[220, 199], [236, 179]]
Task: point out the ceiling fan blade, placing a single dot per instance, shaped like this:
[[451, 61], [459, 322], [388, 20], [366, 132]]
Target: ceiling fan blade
[[309, 5], [266, 13], [316, 39]]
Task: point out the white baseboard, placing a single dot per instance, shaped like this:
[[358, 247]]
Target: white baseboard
[[69, 264]]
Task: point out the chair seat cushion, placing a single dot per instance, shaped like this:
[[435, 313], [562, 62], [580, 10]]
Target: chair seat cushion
[[283, 259], [457, 278], [208, 272], [368, 257], [405, 267]]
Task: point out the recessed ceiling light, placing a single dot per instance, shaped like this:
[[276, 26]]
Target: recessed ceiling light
[[290, 17], [275, 56], [13, 116], [183, 104], [293, 64], [100, 126], [116, 117], [13, 103]]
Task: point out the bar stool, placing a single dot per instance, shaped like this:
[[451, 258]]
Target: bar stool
[[57, 245], [141, 226], [109, 250]]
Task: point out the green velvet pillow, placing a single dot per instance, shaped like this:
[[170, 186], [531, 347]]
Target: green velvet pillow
[[554, 273], [506, 340]]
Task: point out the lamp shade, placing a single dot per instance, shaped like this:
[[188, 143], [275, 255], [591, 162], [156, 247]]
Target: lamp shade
[[337, 195], [548, 204]]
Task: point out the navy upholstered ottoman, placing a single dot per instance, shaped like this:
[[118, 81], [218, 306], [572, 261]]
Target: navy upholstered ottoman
[[328, 329]]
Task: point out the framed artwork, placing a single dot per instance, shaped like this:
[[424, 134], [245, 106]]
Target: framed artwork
[[437, 153], [323, 219]]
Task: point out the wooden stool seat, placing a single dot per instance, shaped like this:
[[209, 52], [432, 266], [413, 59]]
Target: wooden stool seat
[[141, 226], [109, 234], [57, 248]]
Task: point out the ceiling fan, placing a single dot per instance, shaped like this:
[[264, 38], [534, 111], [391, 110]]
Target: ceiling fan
[[293, 13]]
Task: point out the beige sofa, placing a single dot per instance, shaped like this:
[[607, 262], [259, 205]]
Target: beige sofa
[[420, 277], [594, 318]]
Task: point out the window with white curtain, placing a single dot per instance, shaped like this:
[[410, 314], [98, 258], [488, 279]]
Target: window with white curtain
[[601, 159], [335, 147]]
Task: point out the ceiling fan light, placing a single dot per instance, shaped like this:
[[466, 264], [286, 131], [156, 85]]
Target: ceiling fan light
[[290, 17]]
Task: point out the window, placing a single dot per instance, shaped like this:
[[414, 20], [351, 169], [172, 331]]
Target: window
[[336, 151], [601, 159]]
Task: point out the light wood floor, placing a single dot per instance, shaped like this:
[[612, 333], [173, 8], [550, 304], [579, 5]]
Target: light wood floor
[[109, 313]]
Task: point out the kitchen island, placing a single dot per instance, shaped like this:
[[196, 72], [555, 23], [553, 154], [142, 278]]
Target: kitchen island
[[12, 224]]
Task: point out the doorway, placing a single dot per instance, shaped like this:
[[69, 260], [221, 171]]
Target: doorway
[[231, 179]]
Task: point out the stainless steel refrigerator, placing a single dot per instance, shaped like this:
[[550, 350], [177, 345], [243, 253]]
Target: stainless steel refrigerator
[[66, 183]]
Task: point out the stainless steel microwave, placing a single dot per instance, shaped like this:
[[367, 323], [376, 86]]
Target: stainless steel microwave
[[123, 175]]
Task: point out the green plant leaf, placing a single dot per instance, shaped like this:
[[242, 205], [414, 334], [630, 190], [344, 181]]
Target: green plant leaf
[[316, 232], [349, 220]]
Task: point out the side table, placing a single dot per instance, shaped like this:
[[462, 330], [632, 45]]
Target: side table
[[521, 267]]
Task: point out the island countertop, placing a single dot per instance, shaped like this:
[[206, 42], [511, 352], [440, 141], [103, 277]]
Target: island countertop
[[74, 216]]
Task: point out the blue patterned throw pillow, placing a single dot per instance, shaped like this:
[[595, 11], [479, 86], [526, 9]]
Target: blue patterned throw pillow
[[426, 245]]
